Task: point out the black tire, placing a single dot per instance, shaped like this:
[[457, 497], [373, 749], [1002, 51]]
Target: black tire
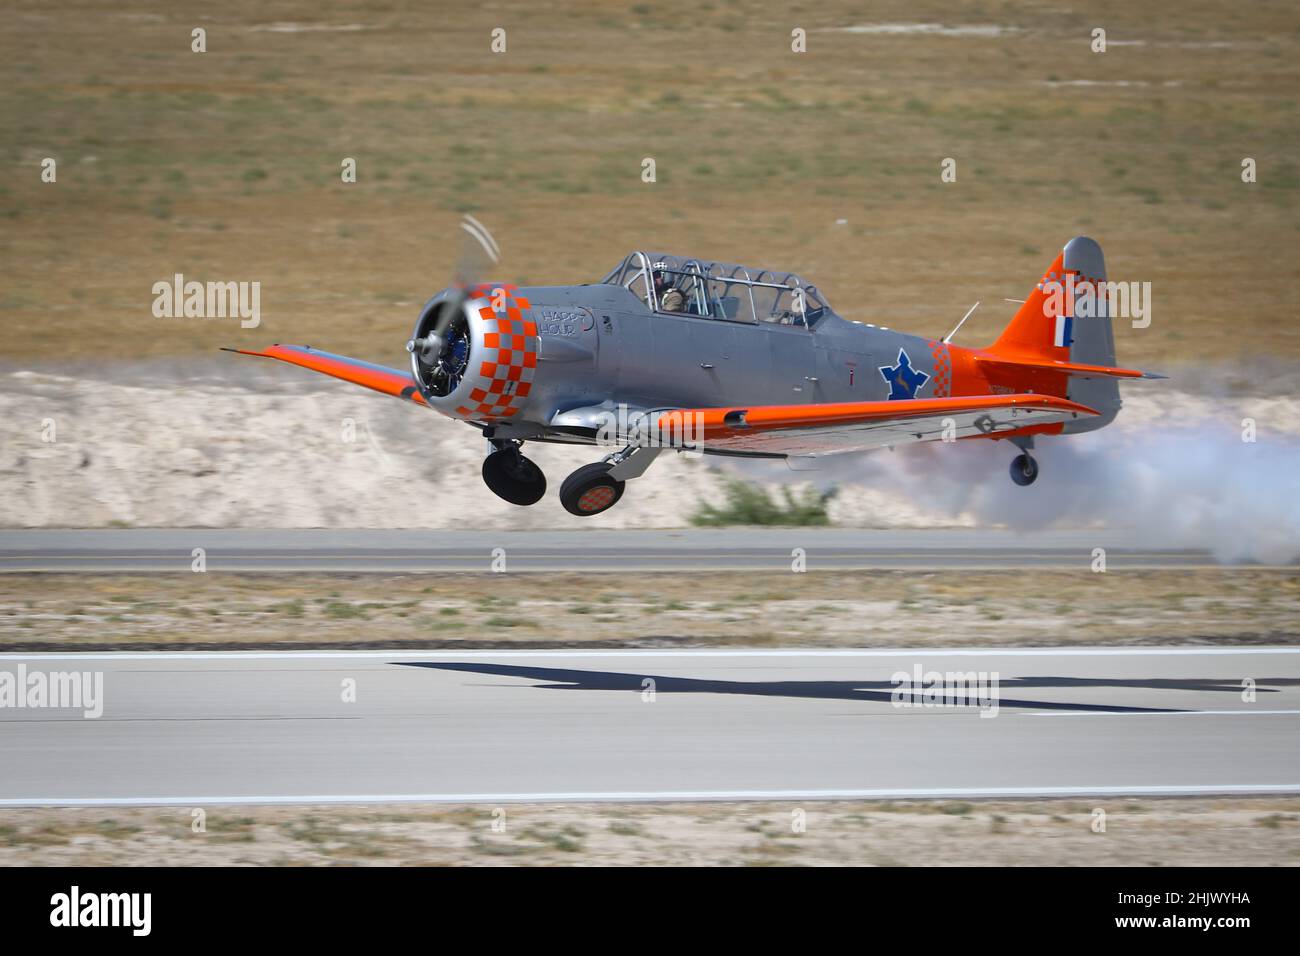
[[513, 477], [1024, 469], [590, 490]]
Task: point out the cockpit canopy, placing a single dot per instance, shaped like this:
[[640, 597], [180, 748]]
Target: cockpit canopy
[[718, 290]]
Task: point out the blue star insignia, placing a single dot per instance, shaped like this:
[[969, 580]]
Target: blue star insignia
[[904, 381]]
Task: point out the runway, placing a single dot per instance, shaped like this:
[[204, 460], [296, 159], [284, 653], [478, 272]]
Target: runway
[[396, 551], [195, 729]]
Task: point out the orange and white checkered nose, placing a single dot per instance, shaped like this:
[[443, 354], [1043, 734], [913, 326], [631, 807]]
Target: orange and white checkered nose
[[474, 352], [503, 355]]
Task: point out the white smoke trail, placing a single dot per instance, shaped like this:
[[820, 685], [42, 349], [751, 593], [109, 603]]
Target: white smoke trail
[[1197, 485]]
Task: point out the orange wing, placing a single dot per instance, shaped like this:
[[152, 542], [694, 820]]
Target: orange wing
[[828, 429], [380, 378]]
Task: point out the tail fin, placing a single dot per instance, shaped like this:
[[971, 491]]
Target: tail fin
[[1055, 323], [1064, 325]]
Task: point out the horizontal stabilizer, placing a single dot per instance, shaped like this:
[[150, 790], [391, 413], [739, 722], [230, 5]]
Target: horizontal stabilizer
[[1078, 369]]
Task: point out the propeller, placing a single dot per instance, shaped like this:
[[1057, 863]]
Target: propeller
[[442, 351]]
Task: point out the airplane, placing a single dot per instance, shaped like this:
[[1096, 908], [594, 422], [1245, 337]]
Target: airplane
[[668, 352]]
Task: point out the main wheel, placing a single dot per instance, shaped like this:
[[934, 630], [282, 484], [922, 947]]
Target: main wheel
[[1024, 469], [513, 477], [590, 490]]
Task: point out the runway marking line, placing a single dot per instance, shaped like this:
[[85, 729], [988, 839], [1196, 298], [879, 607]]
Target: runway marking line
[[315, 654], [667, 796]]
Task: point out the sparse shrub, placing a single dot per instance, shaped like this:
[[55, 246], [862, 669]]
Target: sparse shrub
[[747, 504]]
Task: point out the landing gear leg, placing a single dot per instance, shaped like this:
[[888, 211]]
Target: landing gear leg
[[512, 476], [632, 461]]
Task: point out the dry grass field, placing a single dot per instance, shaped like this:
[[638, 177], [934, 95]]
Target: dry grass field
[[225, 165], [66, 612]]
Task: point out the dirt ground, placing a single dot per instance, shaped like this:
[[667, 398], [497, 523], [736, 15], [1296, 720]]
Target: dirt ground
[[742, 609], [225, 165], [1261, 831]]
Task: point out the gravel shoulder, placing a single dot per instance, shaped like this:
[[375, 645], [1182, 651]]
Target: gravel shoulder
[[1166, 832]]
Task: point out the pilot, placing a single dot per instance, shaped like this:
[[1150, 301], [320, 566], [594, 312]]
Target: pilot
[[671, 298]]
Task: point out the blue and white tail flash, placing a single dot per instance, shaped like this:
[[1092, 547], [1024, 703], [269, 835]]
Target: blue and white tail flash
[[1064, 331]]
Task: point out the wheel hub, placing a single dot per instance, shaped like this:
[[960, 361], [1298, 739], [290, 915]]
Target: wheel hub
[[602, 496]]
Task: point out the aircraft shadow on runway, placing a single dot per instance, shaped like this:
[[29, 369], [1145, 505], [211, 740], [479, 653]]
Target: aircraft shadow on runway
[[560, 678]]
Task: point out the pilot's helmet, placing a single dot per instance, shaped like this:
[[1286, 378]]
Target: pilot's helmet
[[658, 270]]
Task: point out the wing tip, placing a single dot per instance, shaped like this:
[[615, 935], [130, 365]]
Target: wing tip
[[262, 353]]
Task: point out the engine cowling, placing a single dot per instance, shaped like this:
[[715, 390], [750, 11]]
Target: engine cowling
[[474, 352]]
